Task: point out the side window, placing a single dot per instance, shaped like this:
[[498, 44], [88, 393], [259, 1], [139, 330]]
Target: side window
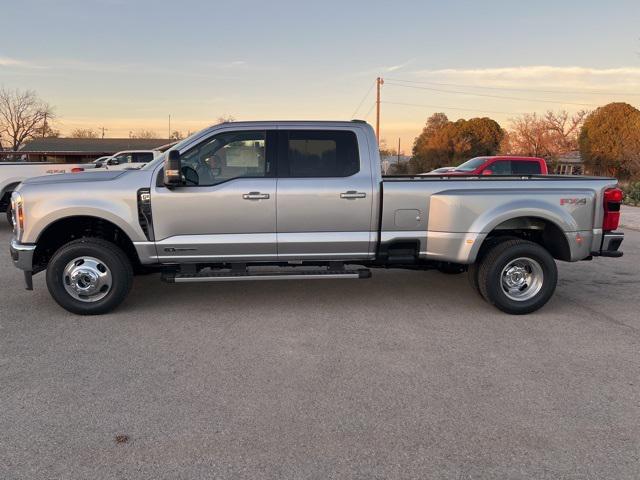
[[226, 156], [501, 167], [320, 153], [142, 157], [123, 158], [525, 168]]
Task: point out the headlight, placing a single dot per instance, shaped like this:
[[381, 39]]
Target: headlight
[[17, 213]]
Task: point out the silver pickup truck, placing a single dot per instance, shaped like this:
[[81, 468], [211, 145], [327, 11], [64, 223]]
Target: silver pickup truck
[[303, 200]]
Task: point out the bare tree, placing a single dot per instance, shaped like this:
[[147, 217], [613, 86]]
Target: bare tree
[[142, 133], [176, 135], [84, 133], [22, 116], [226, 118], [564, 129], [548, 136], [528, 135]]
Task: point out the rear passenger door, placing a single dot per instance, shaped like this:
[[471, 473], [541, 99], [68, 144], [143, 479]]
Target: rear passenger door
[[325, 195]]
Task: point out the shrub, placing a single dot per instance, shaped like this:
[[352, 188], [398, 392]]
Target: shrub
[[631, 193]]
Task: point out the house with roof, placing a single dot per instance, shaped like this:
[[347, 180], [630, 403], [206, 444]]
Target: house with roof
[[78, 150], [569, 163]]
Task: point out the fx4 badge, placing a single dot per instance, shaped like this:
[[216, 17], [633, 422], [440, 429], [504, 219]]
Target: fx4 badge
[[573, 201]]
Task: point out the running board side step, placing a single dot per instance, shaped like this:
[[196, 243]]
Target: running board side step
[[243, 275]]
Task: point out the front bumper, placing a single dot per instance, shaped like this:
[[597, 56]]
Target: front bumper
[[610, 247], [22, 256]]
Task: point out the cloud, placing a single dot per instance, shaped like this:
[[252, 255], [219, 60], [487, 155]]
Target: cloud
[[394, 68], [15, 63], [69, 64], [539, 76], [383, 69]]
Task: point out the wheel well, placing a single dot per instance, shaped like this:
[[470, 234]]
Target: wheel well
[[539, 230], [67, 229], [5, 196]]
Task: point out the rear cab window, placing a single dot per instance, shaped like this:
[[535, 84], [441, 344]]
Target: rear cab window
[[528, 167], [318, 153]]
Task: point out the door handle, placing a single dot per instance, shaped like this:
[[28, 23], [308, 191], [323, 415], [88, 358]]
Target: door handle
[[255, 196], [352, 194]]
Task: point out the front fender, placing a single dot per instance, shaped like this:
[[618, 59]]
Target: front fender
[[44, 214]]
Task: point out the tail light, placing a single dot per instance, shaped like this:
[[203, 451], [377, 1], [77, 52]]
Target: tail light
[[612, 201], [77, 170]]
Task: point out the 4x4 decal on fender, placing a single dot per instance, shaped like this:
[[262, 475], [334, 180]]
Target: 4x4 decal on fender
[[573, 201]]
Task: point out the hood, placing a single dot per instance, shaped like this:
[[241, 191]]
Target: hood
[[76, 177]]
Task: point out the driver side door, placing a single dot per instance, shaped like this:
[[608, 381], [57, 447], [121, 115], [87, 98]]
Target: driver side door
[[227, 210]]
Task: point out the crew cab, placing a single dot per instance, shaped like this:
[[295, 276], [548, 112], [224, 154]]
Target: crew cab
[[498, 165], [303, 200]]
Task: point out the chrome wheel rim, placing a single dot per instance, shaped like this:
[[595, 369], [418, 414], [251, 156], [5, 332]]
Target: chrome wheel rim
[[521, 279], [87, 279]]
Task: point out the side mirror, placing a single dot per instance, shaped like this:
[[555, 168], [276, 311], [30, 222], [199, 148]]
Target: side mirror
[[173, 169], [113, 161]]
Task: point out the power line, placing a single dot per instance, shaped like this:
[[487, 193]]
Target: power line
[[370, 110], [458, 92], [512, 89], [442, 107], [363, 99]]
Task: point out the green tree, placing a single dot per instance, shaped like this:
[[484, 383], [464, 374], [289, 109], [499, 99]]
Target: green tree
[[443, 143], [431, 147], [476, 137], [610, 140]]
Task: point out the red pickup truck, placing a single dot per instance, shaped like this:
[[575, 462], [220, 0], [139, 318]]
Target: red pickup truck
[[499, 165]]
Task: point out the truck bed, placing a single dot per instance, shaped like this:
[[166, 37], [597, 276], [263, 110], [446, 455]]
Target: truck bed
[[451, 216]]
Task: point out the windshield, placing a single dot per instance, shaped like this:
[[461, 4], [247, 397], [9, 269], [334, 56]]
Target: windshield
[[472, 164]]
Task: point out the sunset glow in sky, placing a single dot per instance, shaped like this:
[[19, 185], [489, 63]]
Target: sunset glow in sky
[[126, 65]]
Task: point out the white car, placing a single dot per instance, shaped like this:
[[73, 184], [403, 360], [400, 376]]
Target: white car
[[128, 159]]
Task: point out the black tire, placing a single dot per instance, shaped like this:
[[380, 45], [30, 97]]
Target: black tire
[[9, 213], [536, 261], [109, 256], [452, 268], [472, 270], [472, 276]]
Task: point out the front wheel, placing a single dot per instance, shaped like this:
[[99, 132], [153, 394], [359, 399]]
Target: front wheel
[[89, 276], [517, 276]]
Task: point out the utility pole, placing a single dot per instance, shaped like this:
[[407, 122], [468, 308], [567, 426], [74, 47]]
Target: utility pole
[[103, 129], [169, 126], [44, 125], [379, 83], [398, 149]]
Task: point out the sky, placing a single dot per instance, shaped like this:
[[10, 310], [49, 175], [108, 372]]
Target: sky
[[128, 65]]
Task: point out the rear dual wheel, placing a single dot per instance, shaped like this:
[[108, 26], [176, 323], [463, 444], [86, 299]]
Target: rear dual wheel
[[517, 276]]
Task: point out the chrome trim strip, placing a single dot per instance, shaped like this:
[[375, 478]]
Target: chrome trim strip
[[305, 256]]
